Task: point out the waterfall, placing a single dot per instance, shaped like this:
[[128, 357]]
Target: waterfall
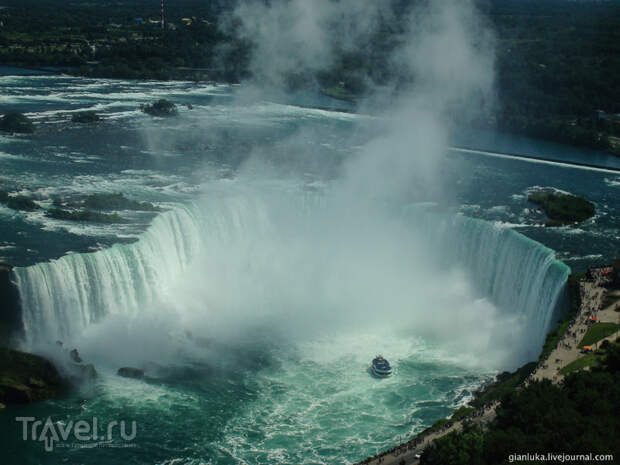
[[62, 297], [518, 274]]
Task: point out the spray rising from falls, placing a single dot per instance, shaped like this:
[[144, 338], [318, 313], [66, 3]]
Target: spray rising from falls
[[244, 258]]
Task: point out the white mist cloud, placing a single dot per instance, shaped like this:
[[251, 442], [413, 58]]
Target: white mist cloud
[[300, 36], [347, 262], [355, 261], [444, 61]]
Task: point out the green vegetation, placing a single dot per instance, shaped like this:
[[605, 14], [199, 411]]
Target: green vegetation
[[589, 360], [593, 359], [85, 216], [458, 414], [563, 208], [554, 337], [456, 448], [17, 202], [120, 39], [598, 331], [85, 117], [576, 416], [554, 62], [116, 202], [27, 378], [574, 295], [505, 383], [437, 426], [461, 413], [160, 108], [16, 122]]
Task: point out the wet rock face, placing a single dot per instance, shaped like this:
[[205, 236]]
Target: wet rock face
[[85, 372], [75, 356], [10, 313], [130, 372], [14, 122], [26, 378]]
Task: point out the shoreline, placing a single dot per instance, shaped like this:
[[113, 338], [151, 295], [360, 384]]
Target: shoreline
[[190, 75], [538, 159], [34, 70], [565, 352]]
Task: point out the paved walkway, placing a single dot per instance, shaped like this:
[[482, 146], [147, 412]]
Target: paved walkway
[[592, 297], [567, 350]]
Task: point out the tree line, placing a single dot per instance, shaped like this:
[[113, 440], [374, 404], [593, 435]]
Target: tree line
[[578, 416], [557, 61]]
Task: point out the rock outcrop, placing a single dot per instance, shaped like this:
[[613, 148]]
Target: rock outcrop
[[10, 310], [26, 378], [130, 372]]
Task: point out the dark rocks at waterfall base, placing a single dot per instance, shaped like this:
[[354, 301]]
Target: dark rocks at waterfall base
[[26, 378], [10, 311], [130, 372], [75, 356]]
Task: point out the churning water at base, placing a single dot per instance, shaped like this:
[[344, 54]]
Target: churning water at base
[[256, 315]]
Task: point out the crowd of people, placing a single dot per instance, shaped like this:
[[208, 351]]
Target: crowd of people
[[600, 275], [591, 292]]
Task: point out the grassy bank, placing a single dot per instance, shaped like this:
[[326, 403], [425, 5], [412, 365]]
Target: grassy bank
[[591, 360], [597, 332]]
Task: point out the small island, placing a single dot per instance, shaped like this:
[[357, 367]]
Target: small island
[[563, 209], [162, 107], [85, 117], [15, 122], [87, 216], [17, 202], [117, 202], [88, 210]]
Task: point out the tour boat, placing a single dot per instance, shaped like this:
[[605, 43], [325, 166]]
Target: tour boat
[[380, 367]]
